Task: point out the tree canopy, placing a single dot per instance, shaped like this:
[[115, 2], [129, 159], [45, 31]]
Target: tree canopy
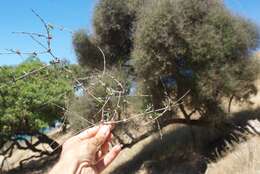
[[201, 46], [28, 103], [114, 25], [197, 49]]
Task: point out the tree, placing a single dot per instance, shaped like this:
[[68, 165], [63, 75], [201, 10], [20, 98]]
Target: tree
[[199, 46], [197, 49], [29, 95], [177, 46], [87, 51], [114, 24]]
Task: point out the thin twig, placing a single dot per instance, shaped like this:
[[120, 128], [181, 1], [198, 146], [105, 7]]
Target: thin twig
[[104, 59]]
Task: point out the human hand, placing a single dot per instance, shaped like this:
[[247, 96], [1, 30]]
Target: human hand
[[87, 152]]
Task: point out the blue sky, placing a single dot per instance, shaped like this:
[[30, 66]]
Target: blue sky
[[15, 15], [247, 8]]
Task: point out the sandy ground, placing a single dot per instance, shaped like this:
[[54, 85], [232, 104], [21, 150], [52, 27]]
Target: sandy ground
[[23, 154]]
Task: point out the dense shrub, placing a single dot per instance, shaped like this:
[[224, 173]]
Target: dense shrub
[[113, 24], [201, 46], [87, 51]]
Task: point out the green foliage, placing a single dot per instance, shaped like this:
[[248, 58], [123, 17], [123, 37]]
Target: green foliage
[[113, 24], [87, 52], [199, 44], [28, 105]]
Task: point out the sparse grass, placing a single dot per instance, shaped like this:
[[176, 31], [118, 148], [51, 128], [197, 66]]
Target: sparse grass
[[244, 160]]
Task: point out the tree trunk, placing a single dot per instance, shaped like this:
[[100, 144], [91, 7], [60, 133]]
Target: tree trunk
[[157, 91], [56, 147], [230, 102]]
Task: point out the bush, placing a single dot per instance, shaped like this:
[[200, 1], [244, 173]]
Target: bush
[[87, 52], [113, 24], [201, 46]]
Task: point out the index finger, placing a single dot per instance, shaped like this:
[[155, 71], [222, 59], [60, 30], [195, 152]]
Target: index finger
[[101, 136], [89, 133]]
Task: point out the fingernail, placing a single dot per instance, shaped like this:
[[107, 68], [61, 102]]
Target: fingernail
[[118, 147], [112, 126]]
